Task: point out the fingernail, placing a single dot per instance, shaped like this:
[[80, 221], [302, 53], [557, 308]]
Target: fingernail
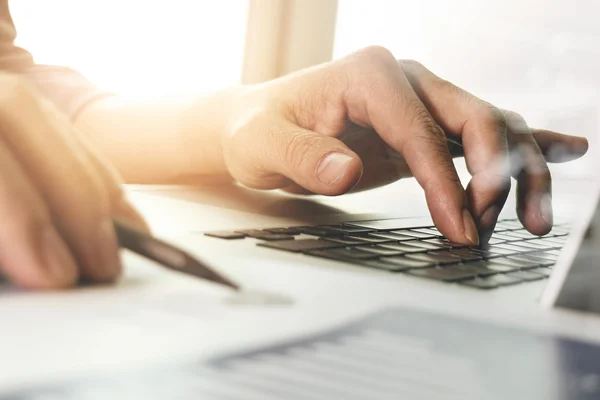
[[470, 231], [332, 168], [60, 264], [110, 261], [545, 212]]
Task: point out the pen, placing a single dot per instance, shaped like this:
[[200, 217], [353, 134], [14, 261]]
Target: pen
[[166, 254]]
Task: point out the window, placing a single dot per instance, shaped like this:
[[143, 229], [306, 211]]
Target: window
[[138, 48]]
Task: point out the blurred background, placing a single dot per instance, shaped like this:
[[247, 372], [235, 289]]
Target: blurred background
[[538, 57]]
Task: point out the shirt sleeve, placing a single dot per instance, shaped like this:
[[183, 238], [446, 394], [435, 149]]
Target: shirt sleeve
[[69, 90]]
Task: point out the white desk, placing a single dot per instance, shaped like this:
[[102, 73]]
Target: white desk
[[156, 316]]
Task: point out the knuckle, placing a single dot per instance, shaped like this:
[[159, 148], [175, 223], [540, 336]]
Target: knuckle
[[13, 91], [300, 147], [411, 64], [378, 55], [493, 117]]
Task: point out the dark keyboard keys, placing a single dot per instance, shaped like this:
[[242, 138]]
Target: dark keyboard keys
[[347, 240], [462, 256], [428, 246], [535, 261], [404, 247], [252, 232], [491, 282], [319, 232], [300, 245], [386, 224], [416, 234], [428, 231], [406, 263], [381, 250], [273, 237], [345, 229], [433, 258], [284, 231], [453, 273], [350, 252], [225, 235], [445, 242], [370, 238], [393, 236], [514, 264], [527, 276]]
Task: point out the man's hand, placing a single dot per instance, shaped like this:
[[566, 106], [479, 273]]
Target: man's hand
[[369, 119], [57, 198]]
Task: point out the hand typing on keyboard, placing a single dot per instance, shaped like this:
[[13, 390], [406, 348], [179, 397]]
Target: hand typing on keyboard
[[368, 119]]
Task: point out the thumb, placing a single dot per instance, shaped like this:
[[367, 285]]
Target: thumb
[[319, 163]]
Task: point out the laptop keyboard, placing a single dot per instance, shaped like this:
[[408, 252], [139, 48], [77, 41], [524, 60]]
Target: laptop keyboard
[[513, 255]]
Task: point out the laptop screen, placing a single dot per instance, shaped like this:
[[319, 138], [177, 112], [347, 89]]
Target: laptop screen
[[575, 282]]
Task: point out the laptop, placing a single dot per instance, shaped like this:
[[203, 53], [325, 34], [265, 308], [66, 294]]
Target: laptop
[[303, 234]]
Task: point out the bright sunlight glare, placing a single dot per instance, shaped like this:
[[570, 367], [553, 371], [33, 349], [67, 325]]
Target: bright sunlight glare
[[138, 48]]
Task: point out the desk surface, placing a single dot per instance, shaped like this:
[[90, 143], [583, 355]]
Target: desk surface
[[158, 317]]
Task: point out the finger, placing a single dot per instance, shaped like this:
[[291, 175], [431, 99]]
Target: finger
[[269, 159], [33, 255], [68, 183], [385, 100], [121, 208], [483, 133], [534, 184], [558, 148]]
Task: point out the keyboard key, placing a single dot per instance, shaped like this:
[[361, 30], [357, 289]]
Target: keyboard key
[[284, 231], [521, 234], [505, 237], [351, 252], [394, 236], [480, 267], [381, 250], [252, 232], [546, 272], [553, 252], [389, 224], [225, 235], [428, 231], [513, 263], [494, 240], [559, 231], [533, 244], [453, 273], [514, 247], [300, 245], [428, 246], [544, 255], [415, 234], [273, 237], [463, 256], [491, 282], [509, 225], [404, 247], [493, 251], [535, 261], [558, 240], [445, 242], [527, 276], [432, 258], [370, 238], [345, 229], [320, 232], [347, 240], [406, 263], [390, 266]]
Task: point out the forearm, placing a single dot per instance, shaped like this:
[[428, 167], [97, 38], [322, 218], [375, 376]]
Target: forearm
[[160, 141]]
